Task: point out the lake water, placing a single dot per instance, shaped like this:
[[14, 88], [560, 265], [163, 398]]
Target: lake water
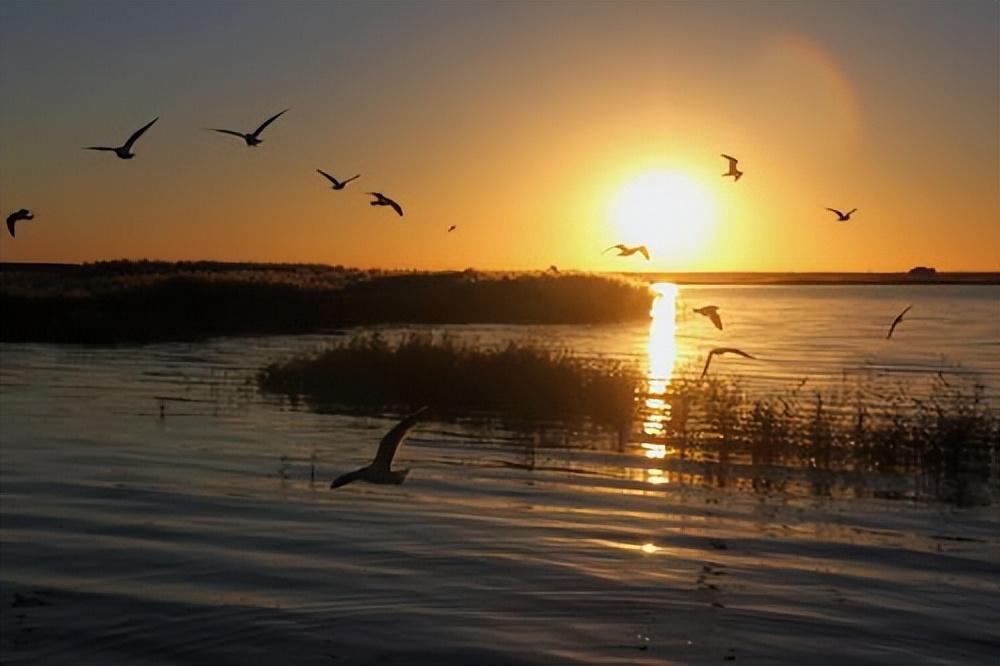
[[207, 534]]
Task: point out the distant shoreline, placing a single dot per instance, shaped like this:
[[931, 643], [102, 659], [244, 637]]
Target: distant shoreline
[[677, 277], [805, 279]]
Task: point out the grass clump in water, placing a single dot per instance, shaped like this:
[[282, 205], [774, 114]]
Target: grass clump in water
[[517, 380]]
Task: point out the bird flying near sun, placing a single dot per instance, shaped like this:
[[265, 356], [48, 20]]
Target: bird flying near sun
[[723, 350], [382, 200], [842, 217], [733, 171], [625, 251], [895, 322], [253, 138], [125, 151], [712, 312], [337, 184], [17, 216]]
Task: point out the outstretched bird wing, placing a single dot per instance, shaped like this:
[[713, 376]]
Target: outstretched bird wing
[[266, 123], [390, 443], [643, 251], [239, 134], [11, 220], [615, 247], [354, 177], [732, 160], [328, 177], [896, 321], [99, 148], [395, 206], [838, 213], [716, 319], [136, 134], [724, 350], [852, 211]]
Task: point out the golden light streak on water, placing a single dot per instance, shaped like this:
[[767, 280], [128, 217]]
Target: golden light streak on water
[[655, 450], [662, 345], [656, 477]]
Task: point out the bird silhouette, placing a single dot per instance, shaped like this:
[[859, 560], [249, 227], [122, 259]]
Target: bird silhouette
[[896, 321], [733, 171], [452, 228], [842, 217], [125, 151], [17, 216], [379, 471], [337, 184], [712, 312], [253, 138], [625, 251], [723, 350], [382, 200], [553, 269]]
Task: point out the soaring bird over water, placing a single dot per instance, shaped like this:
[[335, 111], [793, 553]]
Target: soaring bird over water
[[712, 312], [379, 470], [337, 184], [252, 138], [723, 350], [17, 216], [625, 251], [733, 171], [382, 200], [125, 151], [842, 217], [896, 321]]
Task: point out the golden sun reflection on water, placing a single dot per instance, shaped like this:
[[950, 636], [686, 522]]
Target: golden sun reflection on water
[[661, 349], [662, 345]]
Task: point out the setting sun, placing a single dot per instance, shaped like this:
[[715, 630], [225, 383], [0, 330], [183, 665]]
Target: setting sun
[[669, 212]]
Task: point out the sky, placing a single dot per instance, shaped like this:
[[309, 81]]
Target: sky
[[545, 132]]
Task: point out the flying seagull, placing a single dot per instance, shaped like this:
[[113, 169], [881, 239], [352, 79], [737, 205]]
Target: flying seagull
[[125, 152], [252, 138], [379, 471], [712, 312], [337, 184], [17, 216], [382, 200], [733, 171], [896, 321], [625, 251], [842, 217], [452, 228], [723, 350]]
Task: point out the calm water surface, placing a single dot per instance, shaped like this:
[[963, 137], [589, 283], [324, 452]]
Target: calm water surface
[[209, 535]]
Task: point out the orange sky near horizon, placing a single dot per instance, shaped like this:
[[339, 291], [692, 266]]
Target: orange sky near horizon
[[518, 123]]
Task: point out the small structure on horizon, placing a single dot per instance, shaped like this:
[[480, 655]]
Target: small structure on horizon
[[922, 272]]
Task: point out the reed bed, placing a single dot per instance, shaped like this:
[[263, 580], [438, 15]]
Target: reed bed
[[515, 380], [947, 444], [143, 301]]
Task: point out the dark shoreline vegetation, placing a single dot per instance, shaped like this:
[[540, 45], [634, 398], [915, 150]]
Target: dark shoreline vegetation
[[148, 301], [946, 446]]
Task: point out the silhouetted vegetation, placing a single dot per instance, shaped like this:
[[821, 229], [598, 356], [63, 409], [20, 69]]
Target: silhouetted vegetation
[[515, 380], [125, 301], [946, 446], [948, 443]]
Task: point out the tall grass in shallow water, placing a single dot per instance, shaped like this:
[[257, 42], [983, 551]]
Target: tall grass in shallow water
[[845, 438], [515, 380]]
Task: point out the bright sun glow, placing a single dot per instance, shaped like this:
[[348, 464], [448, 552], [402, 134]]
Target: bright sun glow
[[670, 213]]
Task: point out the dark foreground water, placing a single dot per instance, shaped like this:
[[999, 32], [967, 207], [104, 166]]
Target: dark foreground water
[[208, 535]]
